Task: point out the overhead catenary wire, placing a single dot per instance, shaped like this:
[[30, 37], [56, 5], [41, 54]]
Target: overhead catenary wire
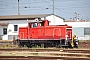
[[59, 9], [49, 6]]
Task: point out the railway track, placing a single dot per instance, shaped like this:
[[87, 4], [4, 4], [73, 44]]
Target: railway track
[[44, 54], [48, 49], [42, 58]]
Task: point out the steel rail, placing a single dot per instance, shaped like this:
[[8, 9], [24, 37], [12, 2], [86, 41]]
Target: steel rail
[[41, 57], [45, 49]]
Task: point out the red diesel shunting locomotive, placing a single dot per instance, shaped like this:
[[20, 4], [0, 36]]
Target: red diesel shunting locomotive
[[37, 33]]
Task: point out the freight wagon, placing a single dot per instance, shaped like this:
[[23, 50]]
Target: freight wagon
[[40, 32]]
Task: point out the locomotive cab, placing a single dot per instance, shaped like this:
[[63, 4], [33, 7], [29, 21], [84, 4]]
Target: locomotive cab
[[38, 23]]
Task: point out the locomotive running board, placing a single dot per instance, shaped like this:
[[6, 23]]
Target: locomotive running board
[[39, 39]]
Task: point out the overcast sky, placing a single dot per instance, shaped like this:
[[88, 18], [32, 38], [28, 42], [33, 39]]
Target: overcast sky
[[63, 8]]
